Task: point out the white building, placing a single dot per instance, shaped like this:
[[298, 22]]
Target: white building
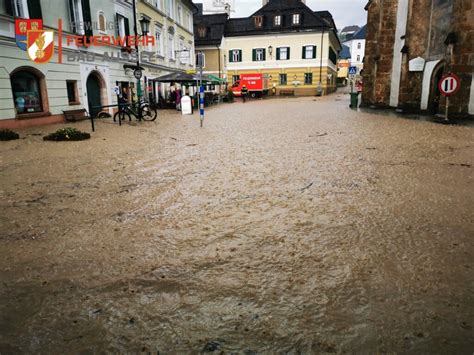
[[357, 49]]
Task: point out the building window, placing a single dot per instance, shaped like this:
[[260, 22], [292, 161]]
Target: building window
[[72, 95], [258, 21], [20, 8], [358, 58], [189, 22], [332, 56], [180, 15], [171, 52], [283, 53], [258, 54], [283, 79], [235, 55], [277, 20], [296, 19], [308, 78], [309, 52], [123, 28], [202, 31], [101, 21], [358, 45], [235, 78], [181, 52], [26, 89], [158, 39], [169, 8], [76, 17], [157, 4], [201, 57]]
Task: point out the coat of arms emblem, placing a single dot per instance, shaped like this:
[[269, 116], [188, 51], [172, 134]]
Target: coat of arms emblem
[[40, 46]]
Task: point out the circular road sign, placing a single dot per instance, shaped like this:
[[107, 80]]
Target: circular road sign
[[449, 84], [137, 73]]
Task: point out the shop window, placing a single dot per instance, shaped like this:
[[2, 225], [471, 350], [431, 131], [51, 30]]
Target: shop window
[[27, 88], [72, 94]]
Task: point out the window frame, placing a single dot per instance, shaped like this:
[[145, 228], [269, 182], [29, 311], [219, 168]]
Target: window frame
[[42, 92], [288, 53], [275, 22], [256, 52], [76, 93], [296, 16]]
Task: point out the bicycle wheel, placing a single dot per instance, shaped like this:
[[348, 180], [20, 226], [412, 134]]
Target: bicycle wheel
[[121, 115], [148, 113]]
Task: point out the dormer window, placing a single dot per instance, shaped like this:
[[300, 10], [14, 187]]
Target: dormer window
[[202, 31], [277, 20], [258, 21], [296, 19]]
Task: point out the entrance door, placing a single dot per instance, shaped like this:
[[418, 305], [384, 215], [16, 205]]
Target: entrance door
[[93, 94], [435, 94]]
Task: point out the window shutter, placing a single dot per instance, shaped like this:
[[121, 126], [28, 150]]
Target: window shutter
[[117, 30], [34, 9], [71, 17], [314, 52], [264, 54], [254, 55], [86, 15], [304, 52], [231, 57], [240, 55], [127, 29], [288, 53], [9, 7], [278, 53]]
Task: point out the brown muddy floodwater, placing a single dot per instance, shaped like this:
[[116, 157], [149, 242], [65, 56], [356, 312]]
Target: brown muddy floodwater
[[292, 226]]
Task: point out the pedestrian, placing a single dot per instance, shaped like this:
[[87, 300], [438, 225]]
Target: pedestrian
[[178, 99], [244, 92], [123, 99]]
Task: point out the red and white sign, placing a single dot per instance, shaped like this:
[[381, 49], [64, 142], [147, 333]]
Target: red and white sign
[[449, 84]]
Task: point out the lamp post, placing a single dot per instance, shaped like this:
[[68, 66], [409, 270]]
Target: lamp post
[[270, 51], [145, 26]]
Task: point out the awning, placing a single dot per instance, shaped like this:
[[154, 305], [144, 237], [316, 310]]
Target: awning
[[216, 79], [178, 77]]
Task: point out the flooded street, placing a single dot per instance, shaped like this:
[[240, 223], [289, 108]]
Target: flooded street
[[283, 226]]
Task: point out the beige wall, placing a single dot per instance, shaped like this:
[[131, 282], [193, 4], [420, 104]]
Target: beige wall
[[295, 67]]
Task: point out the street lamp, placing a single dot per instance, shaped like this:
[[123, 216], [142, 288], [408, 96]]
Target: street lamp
[[145, 26], [270, 50]]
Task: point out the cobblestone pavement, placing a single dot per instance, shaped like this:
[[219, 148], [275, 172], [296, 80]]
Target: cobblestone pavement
[[283, 226]]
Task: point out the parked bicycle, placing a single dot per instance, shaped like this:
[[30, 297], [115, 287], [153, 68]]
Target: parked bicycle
[[125, 111]]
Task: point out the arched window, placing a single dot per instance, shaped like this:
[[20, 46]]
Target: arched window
[[102, 22], [28, 88]]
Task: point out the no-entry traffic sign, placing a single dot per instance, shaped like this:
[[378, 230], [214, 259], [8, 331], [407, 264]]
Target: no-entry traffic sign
[[449, 84]]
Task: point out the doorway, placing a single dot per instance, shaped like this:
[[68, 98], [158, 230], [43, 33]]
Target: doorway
[[95, 88], [435, 95]]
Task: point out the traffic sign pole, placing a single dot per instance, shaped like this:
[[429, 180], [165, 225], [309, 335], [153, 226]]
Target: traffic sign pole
[[448, 85]]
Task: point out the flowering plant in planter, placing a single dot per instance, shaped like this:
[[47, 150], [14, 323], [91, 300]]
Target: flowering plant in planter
[[67, 134]]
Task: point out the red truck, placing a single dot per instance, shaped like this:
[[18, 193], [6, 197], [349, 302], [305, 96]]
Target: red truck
[[257, 85]]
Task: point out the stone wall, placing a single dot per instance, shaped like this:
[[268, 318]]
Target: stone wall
[[429, 23]]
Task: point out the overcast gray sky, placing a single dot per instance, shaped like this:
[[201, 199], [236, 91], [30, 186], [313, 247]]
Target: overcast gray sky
[[344, 12]]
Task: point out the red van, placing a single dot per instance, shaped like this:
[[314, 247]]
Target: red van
[[257, 85]]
